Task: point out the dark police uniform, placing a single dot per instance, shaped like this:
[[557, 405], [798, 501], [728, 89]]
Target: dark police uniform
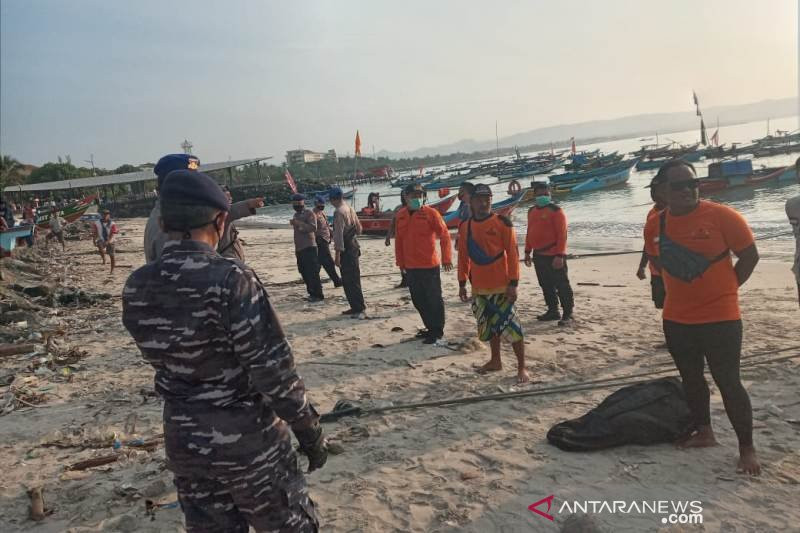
[[230, 387]]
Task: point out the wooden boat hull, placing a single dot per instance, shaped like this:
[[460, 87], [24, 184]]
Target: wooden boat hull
[[70, 213], [379, 223], [594, 183], [503, 208], [781, 175], [8, 238]]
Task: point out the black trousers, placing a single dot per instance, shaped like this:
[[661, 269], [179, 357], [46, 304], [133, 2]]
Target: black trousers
[[326, 261], [720, 343], [351, 279], [554, 283], [657, 291], [425, 286], [308, 265]]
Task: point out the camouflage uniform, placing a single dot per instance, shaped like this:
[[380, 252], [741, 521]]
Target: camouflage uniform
[[230, 387]]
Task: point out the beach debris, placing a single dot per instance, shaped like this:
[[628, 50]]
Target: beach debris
[[7, 350], [397, 328], [150, 507], [334, 448], [38, 511], [580, 523]]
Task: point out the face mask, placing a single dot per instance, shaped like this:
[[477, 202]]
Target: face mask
[[299, 208], [414, 203], [543, 201]]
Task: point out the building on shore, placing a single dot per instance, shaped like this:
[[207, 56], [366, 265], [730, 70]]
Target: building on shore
[[301, 157]]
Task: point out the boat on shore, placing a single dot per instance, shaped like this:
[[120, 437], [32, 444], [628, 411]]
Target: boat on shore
[[380, 222], [503, 208], [9, 237], [69, 213]]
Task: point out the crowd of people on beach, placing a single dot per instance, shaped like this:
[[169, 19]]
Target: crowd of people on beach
[[206, 324]]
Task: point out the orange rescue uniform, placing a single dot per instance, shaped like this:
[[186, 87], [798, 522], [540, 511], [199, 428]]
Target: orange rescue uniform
[[654, 271], [709, 230], [494, 235], [547, 231], [415, 238]]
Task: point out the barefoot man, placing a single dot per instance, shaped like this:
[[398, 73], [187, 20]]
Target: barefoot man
[[691, 242], [489, 259]]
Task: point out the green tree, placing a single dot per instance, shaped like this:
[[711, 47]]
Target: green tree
[[10, 172], [63, 170], [124, 169]]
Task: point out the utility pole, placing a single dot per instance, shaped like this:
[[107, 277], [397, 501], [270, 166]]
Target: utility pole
[[91, 162]]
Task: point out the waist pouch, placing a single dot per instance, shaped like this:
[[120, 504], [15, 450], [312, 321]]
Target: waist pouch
[[476, 253], [679, 261]]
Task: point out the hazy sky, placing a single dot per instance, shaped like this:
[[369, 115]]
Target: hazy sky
[[128, 81]]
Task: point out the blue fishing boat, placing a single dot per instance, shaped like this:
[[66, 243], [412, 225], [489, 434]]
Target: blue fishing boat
[[656, 163], [8, 238], [503, 207], [592, 181]]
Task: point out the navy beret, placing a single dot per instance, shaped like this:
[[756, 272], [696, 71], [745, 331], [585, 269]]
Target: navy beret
[[319, 200], [413, 187], [335, 192], [297, 197], [187, 187], [171, 162]]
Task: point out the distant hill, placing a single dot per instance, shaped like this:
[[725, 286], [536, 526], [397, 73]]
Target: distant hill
[[618, 128]]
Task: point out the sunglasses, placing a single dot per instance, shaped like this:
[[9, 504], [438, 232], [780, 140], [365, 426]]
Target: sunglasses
[[685, 184]]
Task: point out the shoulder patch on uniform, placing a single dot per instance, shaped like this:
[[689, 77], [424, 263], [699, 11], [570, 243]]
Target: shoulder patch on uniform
[[553, 207], [506, 220]]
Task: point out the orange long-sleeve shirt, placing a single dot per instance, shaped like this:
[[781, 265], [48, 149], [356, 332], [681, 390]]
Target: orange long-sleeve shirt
[[415, 238], [547, 231], [494, 235]]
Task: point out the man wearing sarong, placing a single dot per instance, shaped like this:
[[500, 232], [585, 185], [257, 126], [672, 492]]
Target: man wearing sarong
[[488, 258]]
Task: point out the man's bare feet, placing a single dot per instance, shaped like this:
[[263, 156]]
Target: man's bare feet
[[748, 463], [703, 437], [522, 376], [491, 366]]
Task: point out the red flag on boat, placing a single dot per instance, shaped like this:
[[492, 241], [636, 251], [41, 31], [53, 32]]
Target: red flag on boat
[[715, 138], [573, 145], [358, 144], [290, 181]]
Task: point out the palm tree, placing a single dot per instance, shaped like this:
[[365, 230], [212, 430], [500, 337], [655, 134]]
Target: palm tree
[[10, 172]]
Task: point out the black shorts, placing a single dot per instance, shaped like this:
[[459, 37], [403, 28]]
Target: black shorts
[[658, 291]]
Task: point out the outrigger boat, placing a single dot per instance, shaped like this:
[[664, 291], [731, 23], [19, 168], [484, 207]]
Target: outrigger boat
[[656, 163], [8, 238], [503, 207], [592, 180], [727, 175], [70, 213]]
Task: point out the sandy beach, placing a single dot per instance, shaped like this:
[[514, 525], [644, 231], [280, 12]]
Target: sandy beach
[[472, 468]]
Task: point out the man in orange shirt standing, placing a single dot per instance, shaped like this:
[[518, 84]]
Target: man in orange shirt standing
[[416, 230], [658, 194], [488, 258], [547, 241], [691, 243]]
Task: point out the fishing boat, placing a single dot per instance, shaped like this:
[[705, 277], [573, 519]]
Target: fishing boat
[[583, 162], [594, 180], [379, 223], [69, 213], [656, 163], [503, 207], [9, 237], [324, 194], [528, 169], [727, 175]]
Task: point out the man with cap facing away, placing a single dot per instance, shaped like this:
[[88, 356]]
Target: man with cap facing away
[[488, 258], [346, 229], [323, 237], [547, 241], [417, 229], [226, 372], [304, 223]]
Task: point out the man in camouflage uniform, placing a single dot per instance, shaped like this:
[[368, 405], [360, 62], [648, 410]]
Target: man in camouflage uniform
[[226, 373]]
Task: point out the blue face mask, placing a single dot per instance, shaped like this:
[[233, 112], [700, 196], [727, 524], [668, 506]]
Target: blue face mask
[[543, 201], [415, 203]]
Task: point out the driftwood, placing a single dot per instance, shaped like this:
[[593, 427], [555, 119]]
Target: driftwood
[[96, 461], [37, 504], [15, 349]]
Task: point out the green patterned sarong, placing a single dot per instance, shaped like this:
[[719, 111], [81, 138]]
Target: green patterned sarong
[[496, 316]]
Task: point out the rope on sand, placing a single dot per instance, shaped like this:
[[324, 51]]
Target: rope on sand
[[604, 383]]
